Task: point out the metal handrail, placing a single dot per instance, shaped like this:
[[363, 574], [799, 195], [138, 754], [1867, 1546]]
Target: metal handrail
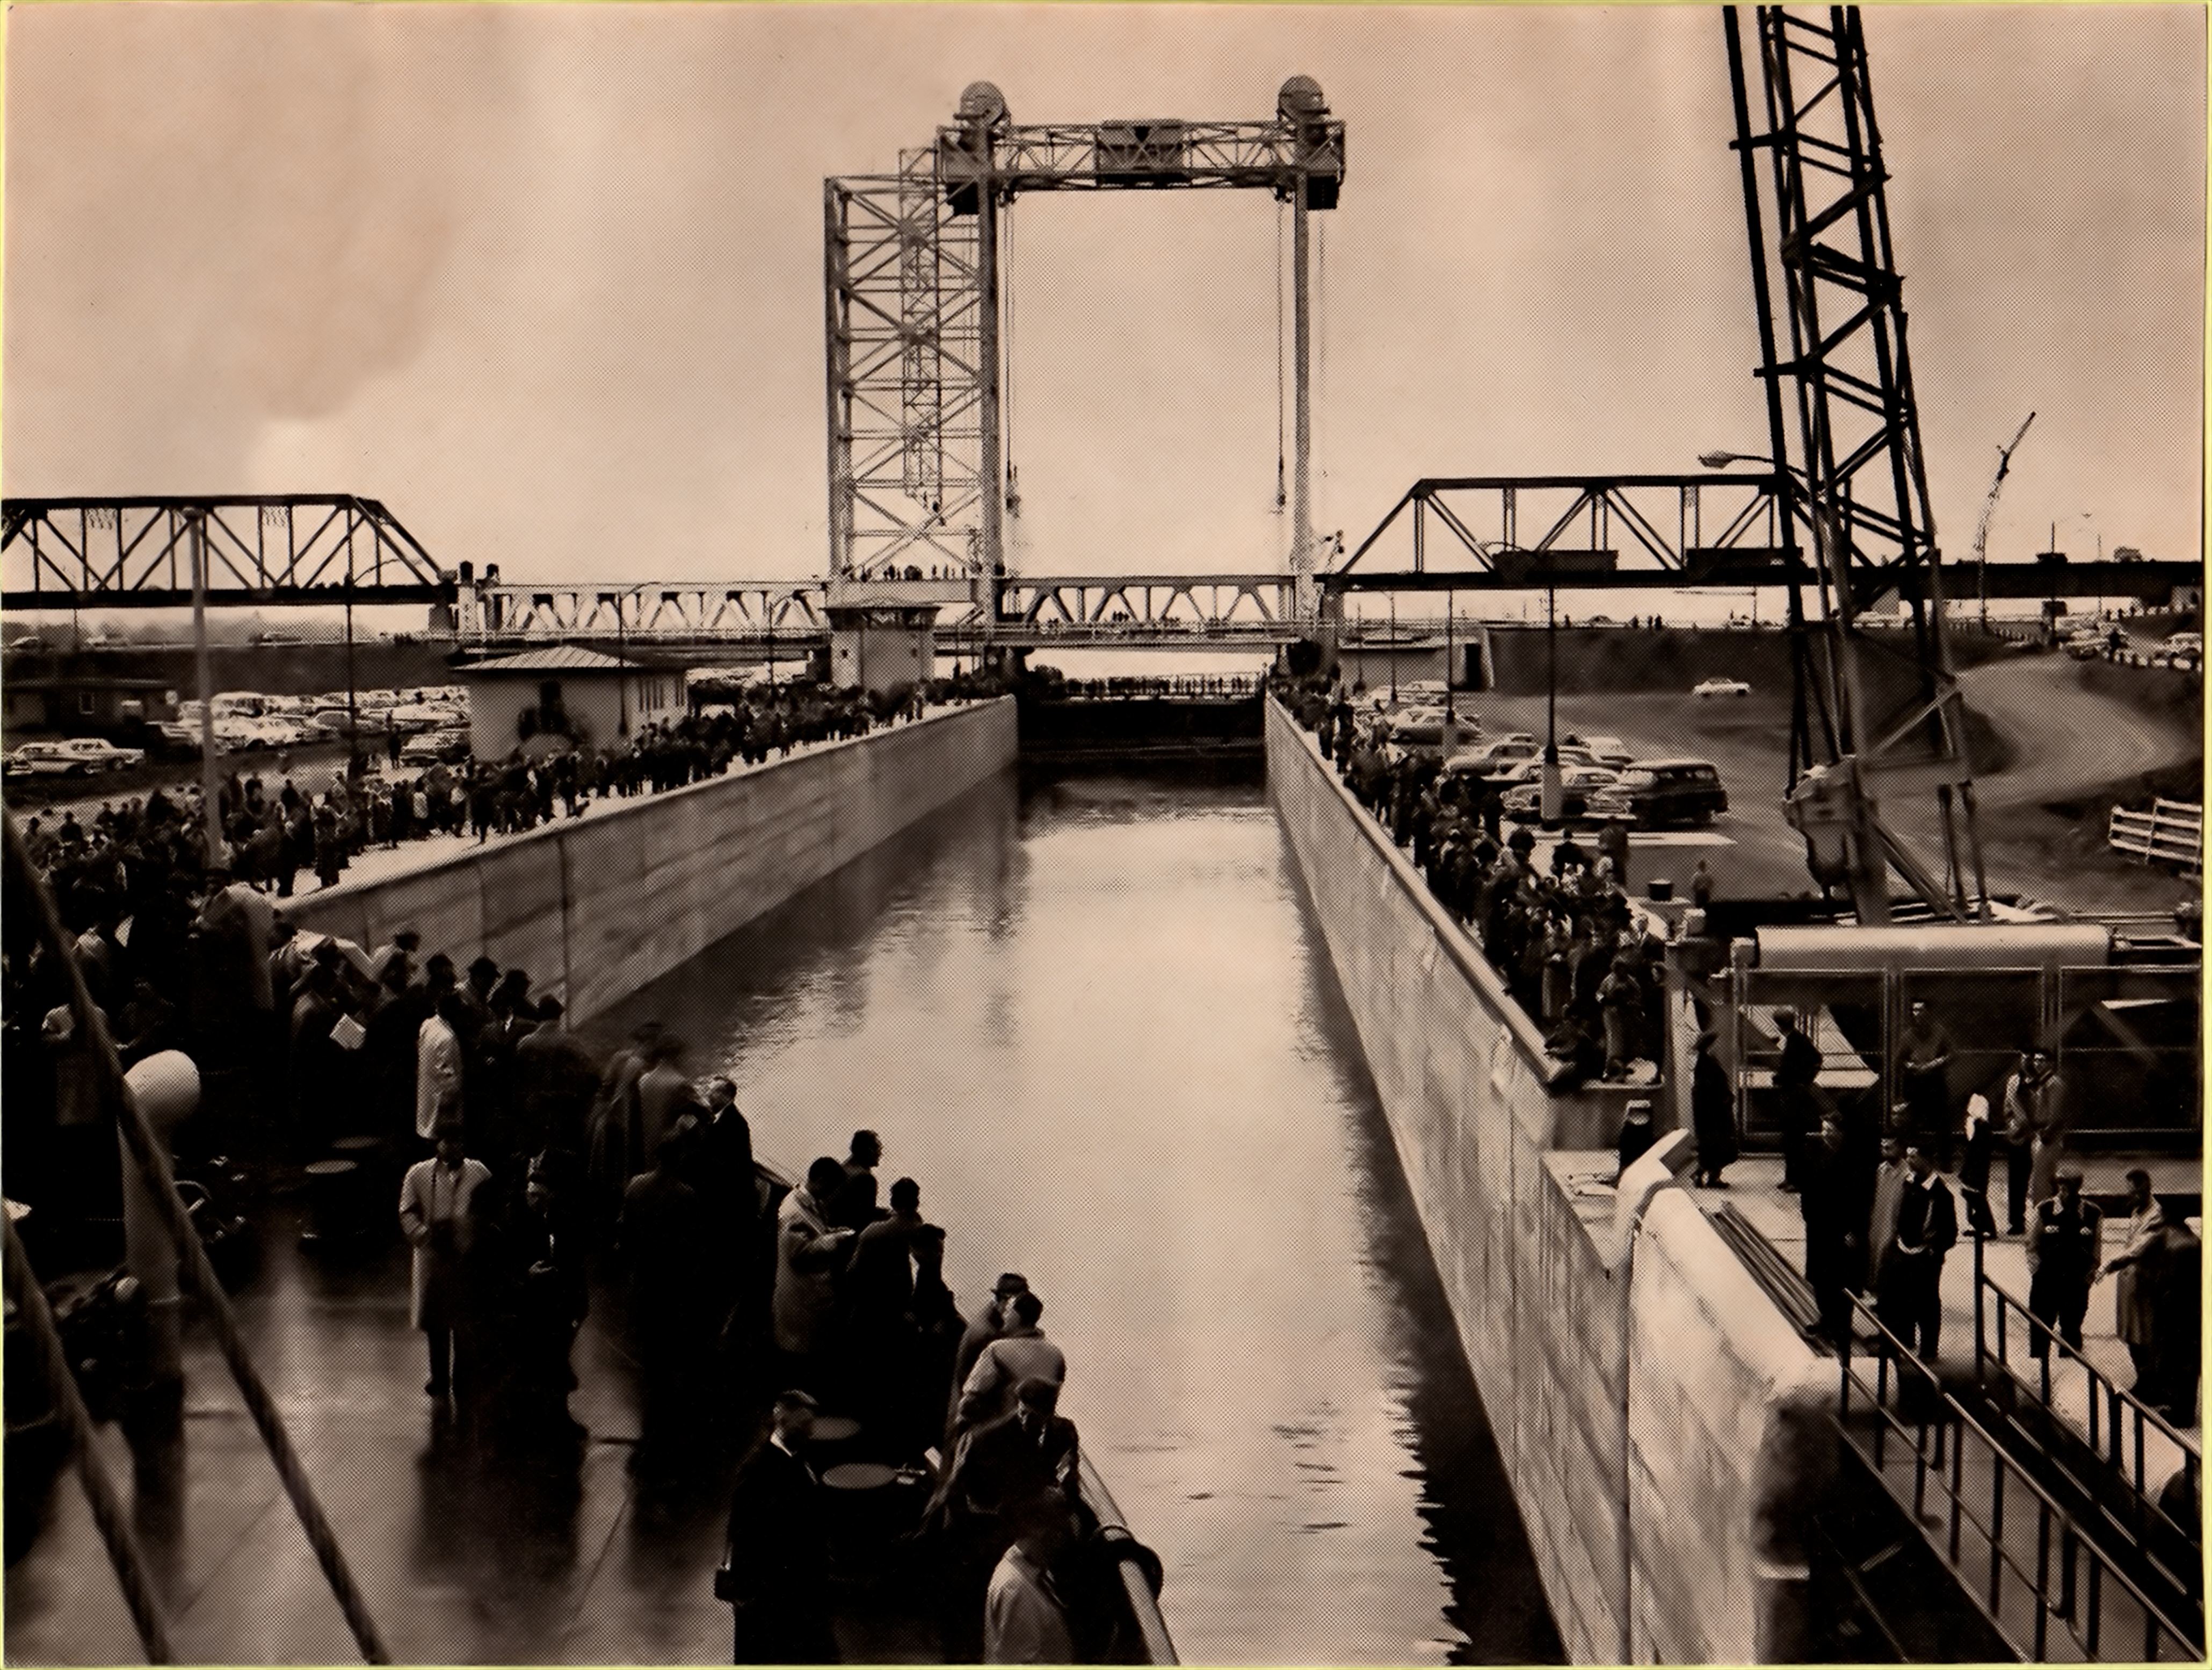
[[2109, 1403], [2055, 1530], [1138, 1566]]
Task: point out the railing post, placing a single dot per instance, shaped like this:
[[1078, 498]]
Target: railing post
[[2096, 1624], [2069, 1552], [2042, 1582], [1881, 1402], [1981, 1345], [1997, 1536], [1957, 1483]]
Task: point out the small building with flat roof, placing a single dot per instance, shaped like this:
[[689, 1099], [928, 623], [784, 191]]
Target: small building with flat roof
[[87, 705], [594, 700]]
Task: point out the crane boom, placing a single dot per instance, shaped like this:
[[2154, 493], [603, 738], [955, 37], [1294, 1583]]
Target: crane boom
[[1852, 464], [1989, 509]]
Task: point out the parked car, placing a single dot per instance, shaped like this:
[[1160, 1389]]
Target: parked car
[[1422, 728], [1606, 750], [280, 730], [431, 716], [75, 756], [1525, 802], [1663, 791], [1494, 758], [1712, 687], [1531, 769], [436, 746]]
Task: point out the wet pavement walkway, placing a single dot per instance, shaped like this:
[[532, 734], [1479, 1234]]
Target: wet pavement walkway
[[466, 1552]]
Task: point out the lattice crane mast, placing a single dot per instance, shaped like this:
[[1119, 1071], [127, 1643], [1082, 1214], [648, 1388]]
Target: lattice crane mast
[[1849, 470]]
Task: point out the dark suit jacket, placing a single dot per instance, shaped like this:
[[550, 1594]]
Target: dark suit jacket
[[778, 1538], [1926, 1218], [1003, 1462]]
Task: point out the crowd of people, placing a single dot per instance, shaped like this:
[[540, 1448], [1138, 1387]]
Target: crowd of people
[[530, 1166], [289, 823], [1880, 1217], [1573, 951]]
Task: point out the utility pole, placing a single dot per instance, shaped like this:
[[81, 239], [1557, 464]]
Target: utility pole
[[212, 809]]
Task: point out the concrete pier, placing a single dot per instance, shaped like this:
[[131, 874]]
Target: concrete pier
[[594, 907]]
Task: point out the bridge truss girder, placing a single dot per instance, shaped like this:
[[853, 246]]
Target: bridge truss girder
[[261, 550], [1142, 600], [1689, 527], [645, 610]]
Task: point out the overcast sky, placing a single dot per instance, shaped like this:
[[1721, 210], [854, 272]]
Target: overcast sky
[[547, 279]]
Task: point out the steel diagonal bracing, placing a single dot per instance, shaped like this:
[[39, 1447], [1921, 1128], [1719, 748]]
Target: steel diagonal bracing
[[911, 299], [905, 383], [610, 613], [1484, 515], [138, 552]]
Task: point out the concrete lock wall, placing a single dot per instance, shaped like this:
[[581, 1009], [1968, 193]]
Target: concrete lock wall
[[1639, 1397], [595, 907]]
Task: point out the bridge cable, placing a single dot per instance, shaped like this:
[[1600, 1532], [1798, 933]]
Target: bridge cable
[[1281, 499], [1320, 347], [1005, 488]]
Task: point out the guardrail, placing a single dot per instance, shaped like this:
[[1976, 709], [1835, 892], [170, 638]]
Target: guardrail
[[1918, 1440], [2120, 1426], [2171, 833]]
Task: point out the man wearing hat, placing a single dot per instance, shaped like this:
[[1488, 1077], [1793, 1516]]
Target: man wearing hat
[[2064, 1246], [1795, 1074], [1713, 1112], [550, 1306], [778, 1555]]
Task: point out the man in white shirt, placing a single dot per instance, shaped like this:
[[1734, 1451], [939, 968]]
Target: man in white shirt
[[1024, 1618]]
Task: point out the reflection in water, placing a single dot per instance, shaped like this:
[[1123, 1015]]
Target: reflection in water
[[1093, 1020]]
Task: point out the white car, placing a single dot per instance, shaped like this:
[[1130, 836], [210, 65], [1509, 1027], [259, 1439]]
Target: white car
[[278, 730], [1606, 750], [1712, 687], [77, 756]]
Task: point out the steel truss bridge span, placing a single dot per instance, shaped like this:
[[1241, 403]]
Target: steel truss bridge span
[[1664, 532], [258, 549]]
